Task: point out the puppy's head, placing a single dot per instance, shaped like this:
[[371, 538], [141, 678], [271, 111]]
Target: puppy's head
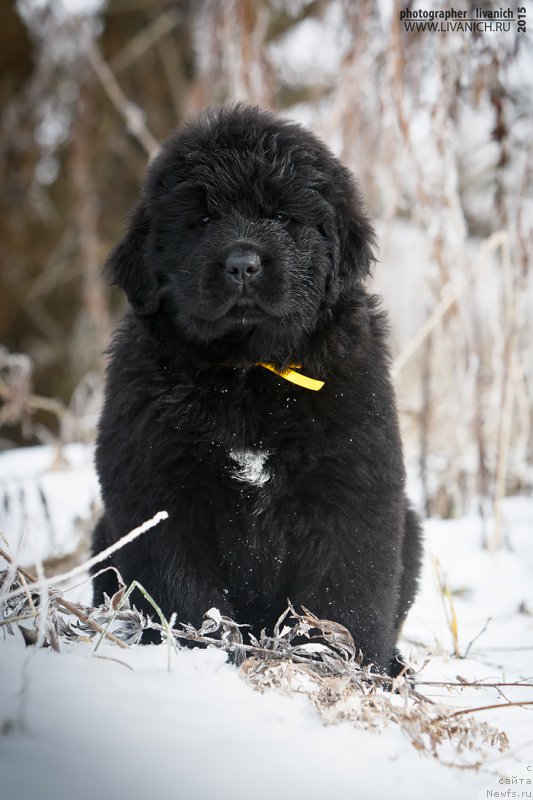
[[246, 226]]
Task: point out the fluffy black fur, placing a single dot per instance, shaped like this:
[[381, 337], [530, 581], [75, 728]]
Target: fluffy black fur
[[249, 244]]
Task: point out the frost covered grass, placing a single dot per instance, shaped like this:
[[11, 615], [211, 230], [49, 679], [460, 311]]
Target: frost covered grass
[[305, 655], [290, 714]]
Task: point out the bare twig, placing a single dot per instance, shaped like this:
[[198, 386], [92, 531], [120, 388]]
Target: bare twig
[[149, 35], [473, 684], [132, 115], [99, 557], [476, 637], [464, 711], [116, 660]]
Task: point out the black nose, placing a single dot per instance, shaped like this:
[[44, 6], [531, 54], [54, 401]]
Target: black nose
[[243, 267]]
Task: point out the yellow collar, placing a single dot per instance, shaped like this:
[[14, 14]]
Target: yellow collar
[[295, 377]]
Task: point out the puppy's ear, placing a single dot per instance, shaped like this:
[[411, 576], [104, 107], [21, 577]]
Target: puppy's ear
[[357, 238], [127, 265]]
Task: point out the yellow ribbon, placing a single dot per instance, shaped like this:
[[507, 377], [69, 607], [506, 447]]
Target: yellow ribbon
[[295, 377]]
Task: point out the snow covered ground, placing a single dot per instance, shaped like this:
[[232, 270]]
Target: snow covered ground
[[45, 495], [120, 724]]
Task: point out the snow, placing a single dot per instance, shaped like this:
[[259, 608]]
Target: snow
[[43, 495], [295, 53], [121, 724], [71, 7], [197, 730]]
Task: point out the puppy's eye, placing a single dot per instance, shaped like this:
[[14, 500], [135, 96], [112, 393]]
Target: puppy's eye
[[203, 220], [281, 217]]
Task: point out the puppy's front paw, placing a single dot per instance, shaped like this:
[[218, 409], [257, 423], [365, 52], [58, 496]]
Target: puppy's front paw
[[398, 666]]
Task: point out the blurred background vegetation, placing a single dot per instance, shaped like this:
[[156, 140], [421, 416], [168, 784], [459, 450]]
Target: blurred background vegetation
[[437, 126]]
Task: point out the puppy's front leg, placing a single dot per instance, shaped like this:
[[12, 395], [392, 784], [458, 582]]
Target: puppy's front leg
[[347, 570], [176, 564]]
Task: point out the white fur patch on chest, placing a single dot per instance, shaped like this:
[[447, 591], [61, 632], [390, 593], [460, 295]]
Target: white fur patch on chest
[[252, 466]]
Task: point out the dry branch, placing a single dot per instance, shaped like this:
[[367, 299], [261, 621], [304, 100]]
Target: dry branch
[[132, 115], [490, 707], [161, 26], [99, 557]]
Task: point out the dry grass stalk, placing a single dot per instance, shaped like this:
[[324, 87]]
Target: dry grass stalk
[[449, 607]]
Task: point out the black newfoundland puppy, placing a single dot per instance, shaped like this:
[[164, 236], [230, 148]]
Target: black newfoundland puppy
[[248, 391]]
